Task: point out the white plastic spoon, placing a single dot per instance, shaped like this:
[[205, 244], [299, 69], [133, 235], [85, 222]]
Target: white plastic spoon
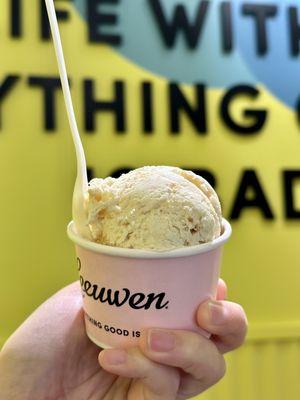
[[81, 184]]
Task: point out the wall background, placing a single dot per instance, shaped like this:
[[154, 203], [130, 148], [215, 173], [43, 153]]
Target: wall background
[[37, 168]]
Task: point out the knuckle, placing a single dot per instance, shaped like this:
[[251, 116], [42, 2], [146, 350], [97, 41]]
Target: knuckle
[[167, 381], [218, 367], [199, 356], [245, 322], [242, 326], [237, 325], [133, 352], [137, 362], [202, 360], [190, 352], [217, 371], [241, 315], [222, 369]]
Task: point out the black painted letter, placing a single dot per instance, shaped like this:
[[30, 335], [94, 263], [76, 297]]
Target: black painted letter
[[92, 106], [226, 26], [16, 26], [196, 114], [62, 15], [294, 31], [97, 19], [5, 88], [289, 179], [258, 200], [49, 86], [147, 116], [169, 29], [259, 116], [260, 13]]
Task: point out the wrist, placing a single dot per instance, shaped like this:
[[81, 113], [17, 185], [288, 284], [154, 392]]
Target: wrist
[[5, 381], [11, 376]]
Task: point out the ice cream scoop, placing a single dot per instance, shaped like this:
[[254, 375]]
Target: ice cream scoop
[[154, 208]]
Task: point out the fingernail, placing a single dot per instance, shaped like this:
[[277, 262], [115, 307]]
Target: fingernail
[[115, 356], [161, 341], [217, 312]]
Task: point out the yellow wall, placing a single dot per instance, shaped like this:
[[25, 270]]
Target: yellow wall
[[260, 370], [37, 173]]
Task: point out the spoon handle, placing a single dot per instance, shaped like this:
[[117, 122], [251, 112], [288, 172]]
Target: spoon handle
[[81, 184], [81, 162]]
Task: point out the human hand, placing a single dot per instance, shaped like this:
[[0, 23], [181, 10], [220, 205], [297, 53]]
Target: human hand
[[50, 357]]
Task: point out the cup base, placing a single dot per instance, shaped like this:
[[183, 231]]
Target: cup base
[[96, 342]]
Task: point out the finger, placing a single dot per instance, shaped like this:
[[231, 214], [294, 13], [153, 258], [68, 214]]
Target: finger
[[153, 381], [221, 290], [197, 356], [226, 321]]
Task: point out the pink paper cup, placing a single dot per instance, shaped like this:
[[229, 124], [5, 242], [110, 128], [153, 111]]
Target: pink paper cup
[[127, 290]]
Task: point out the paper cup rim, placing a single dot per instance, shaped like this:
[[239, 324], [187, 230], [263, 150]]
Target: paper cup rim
[[136, 253]]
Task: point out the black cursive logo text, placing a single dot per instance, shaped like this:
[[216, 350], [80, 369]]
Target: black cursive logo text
[[118, 298]]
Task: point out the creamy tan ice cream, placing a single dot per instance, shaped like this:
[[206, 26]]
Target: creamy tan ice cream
[[154, 208]]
